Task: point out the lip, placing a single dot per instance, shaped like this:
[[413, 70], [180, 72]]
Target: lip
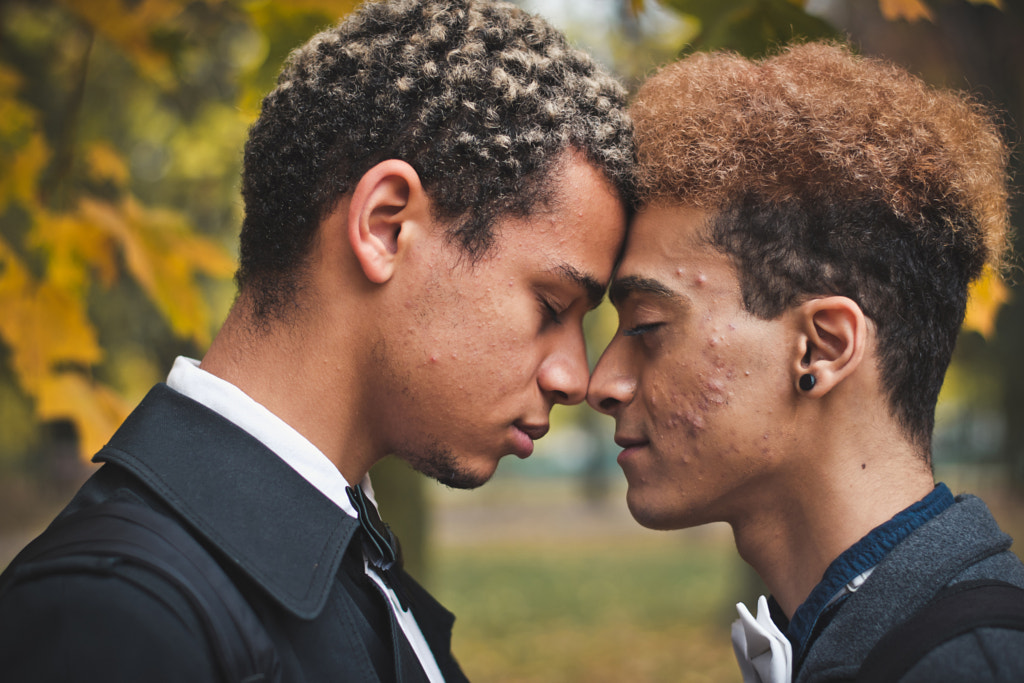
[[629, 445], [523, 436]]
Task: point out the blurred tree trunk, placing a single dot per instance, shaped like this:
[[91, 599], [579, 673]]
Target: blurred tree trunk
[[402, 499]]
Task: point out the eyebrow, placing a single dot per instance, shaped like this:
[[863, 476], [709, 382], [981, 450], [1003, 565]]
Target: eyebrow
[[634, 284], [589, 283]]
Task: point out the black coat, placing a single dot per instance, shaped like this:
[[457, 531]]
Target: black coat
[[286, 546]]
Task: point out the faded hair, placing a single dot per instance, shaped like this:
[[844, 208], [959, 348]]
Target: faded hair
[[480, 98], [828, 173]]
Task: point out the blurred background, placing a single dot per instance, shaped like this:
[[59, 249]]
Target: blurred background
[[121, 129]]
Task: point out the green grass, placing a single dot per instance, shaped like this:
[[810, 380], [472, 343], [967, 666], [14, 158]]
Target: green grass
[[625, 611]]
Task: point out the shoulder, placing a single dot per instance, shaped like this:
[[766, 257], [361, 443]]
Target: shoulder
[[81, 601], [963, 543], [989, 652], [117, 626], [972, 630], [984, 654]]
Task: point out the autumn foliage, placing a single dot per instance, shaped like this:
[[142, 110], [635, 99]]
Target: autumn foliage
[[73, 225]]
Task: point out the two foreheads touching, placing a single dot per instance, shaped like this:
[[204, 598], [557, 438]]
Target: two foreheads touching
[[822, 172]]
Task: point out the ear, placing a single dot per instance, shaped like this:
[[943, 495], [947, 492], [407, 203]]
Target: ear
[[387, 204], [832, 343]]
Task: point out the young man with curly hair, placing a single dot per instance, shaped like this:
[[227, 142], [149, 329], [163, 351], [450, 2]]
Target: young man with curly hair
[[789, 298], [435, 195]]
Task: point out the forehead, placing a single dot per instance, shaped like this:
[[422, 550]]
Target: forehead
[[667, 250], [579, 232]]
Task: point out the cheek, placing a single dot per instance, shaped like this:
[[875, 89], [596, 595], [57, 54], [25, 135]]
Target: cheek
[[687, 393], [681, 399], [488, 348]]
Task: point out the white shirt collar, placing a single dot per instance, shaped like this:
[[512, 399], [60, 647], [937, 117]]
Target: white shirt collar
[[763, 652], [224, 398], [220, 396]]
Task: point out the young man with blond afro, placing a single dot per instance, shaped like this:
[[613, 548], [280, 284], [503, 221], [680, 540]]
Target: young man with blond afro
[[435, 195], [789, 299]]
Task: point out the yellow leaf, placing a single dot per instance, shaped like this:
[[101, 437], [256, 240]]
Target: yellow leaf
[[910, 10], [987, 296], [129, 25], [95, 409], [16, 118], [998, 4], [266, 15], [209, 149], [330, 8], [10, 81], [75, 249], [19, 175], [165, 256], [42, 325], [14, 279], [23, 149], [105, 164]]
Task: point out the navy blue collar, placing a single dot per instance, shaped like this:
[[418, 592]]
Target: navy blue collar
[[859, 558]]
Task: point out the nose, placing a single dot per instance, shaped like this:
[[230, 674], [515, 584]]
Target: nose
[[611, 387], [564, 373]]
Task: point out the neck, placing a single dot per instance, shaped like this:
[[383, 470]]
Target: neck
[[305, 377], [820, 508]]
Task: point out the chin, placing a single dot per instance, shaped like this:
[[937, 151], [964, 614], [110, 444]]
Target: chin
[[652, 517], [444, 466], [463, 480], [459, 476]]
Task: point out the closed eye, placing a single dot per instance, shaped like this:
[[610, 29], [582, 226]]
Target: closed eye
[[553, 314], [641, 329]]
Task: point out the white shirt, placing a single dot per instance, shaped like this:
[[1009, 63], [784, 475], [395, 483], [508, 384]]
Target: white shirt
[[762, 650], [301, 455]]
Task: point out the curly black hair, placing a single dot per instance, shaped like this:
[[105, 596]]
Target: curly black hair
[[829, 173], [481, 98]]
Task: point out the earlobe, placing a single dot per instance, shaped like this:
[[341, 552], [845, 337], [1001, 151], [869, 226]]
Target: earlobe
[[387, 202], [833, 338]]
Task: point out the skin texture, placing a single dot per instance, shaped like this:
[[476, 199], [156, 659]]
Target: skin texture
[[403, 345], [478, 354], [714, 426], [697, 384]]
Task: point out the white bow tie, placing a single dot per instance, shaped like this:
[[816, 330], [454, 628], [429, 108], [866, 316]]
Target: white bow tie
[[763, 652]]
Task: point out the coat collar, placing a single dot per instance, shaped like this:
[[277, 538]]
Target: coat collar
[[238, 495], [904, 581]]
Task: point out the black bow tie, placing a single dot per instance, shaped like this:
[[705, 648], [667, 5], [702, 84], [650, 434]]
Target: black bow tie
[[380, 545]]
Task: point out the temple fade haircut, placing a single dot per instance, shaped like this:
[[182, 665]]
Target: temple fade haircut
[[827, 173], [480, 98]]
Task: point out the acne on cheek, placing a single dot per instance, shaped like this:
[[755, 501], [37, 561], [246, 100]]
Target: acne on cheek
[[436, 357], [692, 419], [684, 413], [715, 393]]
